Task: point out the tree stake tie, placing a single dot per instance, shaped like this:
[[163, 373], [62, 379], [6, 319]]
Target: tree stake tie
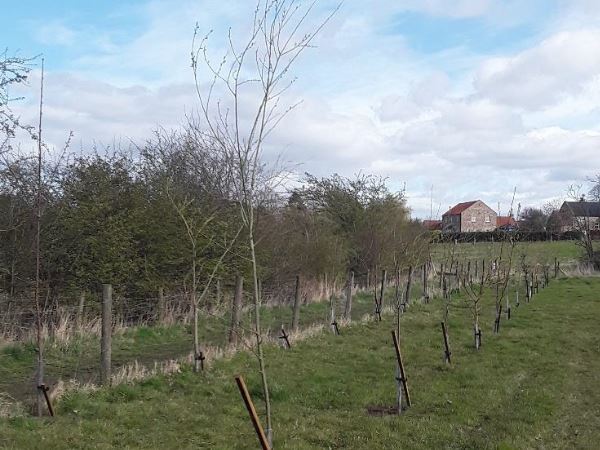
[[200, 357]]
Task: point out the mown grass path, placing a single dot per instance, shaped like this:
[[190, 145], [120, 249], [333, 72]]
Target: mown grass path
[[533, 386]]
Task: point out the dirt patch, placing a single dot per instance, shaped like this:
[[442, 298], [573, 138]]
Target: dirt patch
[[380, 410]]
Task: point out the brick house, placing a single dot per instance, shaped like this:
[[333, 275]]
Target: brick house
[[469, 217], [579, 216]]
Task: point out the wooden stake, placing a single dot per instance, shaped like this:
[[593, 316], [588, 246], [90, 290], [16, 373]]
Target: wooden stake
[[382, 292], [402, 377], [447, 352], [262, 438], [296, 313], [408, 286], [161, 305], [348, 307], [105, 344]]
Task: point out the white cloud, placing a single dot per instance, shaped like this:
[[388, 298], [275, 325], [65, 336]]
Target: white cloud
[[543, 75], [473, 126]]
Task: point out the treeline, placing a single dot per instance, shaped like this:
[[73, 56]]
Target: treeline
[[160, 214]]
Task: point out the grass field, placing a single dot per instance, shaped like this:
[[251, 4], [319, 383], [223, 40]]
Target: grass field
[[532, 386], [79, 358], [567, 252]]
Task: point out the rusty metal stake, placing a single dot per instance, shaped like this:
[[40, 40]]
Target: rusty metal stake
[[337, 330], [402, 377], [285, 338], [200, 357], [45, 389], [262, 438]]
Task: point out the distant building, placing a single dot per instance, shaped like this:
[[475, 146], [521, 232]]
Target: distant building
[[579, 216], [506, 223], [468, 217], [432, 225]]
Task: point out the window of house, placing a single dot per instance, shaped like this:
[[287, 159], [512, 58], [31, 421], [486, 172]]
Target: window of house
[[597, 225], [487, 219], [473, 219]]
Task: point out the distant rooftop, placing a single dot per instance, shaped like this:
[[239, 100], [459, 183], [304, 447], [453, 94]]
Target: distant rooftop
[[458, 209], [583, 208]]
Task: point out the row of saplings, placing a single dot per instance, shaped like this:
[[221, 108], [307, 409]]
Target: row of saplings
[[455, 278]]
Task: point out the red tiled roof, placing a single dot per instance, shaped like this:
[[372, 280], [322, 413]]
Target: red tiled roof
[[502, 221], [458, 209], [432, 225]]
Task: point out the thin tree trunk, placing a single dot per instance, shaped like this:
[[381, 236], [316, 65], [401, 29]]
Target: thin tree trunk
[[38, 220], [259, 347], [194, 301]]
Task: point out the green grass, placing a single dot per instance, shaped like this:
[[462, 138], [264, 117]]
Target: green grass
[[535, 252], [81, 357], [532, 386]]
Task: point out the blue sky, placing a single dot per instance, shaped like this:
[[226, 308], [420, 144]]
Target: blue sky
[[472, 97]]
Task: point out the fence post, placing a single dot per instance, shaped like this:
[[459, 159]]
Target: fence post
[[236, 309], [383, 281], [408, 285], [80, 310], [161, 305], [296, 314], [348, 307], [105, 344]]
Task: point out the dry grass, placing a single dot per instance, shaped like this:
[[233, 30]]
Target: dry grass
[[9, 407]]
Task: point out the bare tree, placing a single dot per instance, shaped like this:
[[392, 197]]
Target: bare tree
[[196, 227], [582, 215], [281, 30]]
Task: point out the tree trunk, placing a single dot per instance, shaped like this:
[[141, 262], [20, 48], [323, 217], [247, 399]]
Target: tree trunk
[[259, 347]]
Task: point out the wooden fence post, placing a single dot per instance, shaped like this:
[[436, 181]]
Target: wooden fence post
[[161, 306], [81, 310], [105, 344], [296, 310], [236, 309], [332, 322], [348, 307], [408, 285], [425, 294], [382, 292], [262, 438]]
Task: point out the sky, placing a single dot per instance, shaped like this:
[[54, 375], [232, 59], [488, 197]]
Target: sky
[[451, 100]]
